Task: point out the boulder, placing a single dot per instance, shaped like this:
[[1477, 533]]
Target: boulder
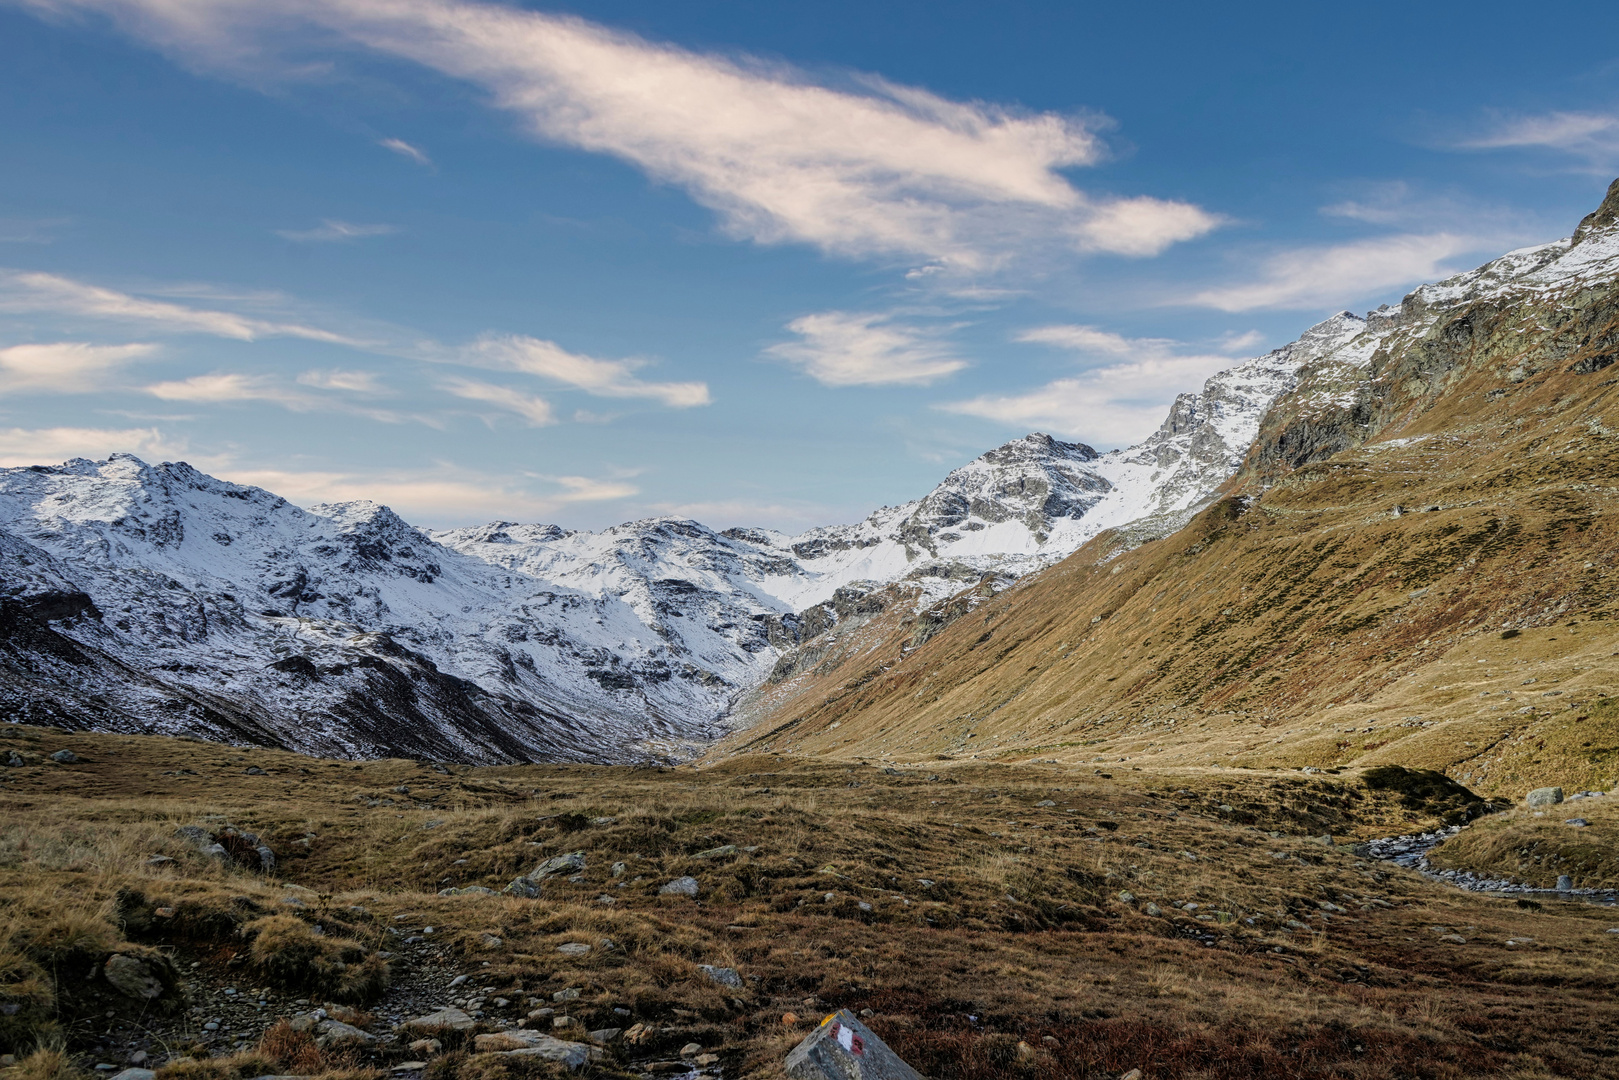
[[523, 887], [842, 1048], [65, 757], [573, 948], [132, 977], [331, 1032], [725, 976], [1544, 796], [680, 886], [534, 1044], [571, 863], [135, 1074], [453, 1019], [716, 852]]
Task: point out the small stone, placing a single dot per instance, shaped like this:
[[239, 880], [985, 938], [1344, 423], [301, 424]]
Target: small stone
[[1024, 1052], [791, 1019], [1133, 1074], [706, 1059], [135, 1074], [1565, 883], [1127, 897], [571, 863], [132, 977], [1545, 796], [1046, 802], [212, 1025], [1577, 822], [606, 1036], [1151, 909], [1050, 1041], [524, 888], [1454, 939], [573, 948], [253, 770], [680, 886], [490, 941], [159, 860], [454, 1019], [139, 1057], [725, 976], [716, 852], [65, 757], [863, 906], [619, 869], [459, 980], [570, 994], [691, 1049]]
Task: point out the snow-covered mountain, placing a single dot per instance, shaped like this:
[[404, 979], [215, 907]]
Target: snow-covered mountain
[[154, 598]]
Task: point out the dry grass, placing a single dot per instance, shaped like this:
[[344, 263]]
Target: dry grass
[[1536, 846], [978, 903]]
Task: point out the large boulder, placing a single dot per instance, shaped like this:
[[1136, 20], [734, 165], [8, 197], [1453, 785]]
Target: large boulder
[[1544, 796], [842, 1048]]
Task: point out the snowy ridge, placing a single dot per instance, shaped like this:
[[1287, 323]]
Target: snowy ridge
[[155, 598]]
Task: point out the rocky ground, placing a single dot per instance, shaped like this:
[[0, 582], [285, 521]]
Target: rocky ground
[[1015, 923]]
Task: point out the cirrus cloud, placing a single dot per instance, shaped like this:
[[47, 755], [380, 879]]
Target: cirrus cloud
[[865, 168], [64, 367], [841, 348]]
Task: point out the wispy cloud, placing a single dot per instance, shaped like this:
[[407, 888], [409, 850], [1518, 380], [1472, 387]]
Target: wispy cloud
[[442, 495], [536, 410], [841, 348], [602, 378], [405, 149], [1593, 136], [329, 231], [1113, 404], [33, 291], [50, 446], [354, 382], [1341, 275], [64, 367], [22, 230], [863, 168], [220, 388]]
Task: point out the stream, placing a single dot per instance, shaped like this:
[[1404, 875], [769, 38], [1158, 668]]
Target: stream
[[1412, 853]]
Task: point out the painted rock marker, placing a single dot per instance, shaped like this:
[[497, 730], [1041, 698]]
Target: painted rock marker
[[842, 1048]]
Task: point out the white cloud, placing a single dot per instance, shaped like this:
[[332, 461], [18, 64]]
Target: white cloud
[[40, 292], [1590, 135], [49, 446], [64, 367], [536, 410], [603, 378], [232, 386], [841, 348], [354, 382], [1114, 404], [442, 496], [1333, 277], [330, 230], [404, 149], [867, 168]]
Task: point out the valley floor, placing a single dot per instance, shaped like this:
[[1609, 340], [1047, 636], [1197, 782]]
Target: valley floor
[[998, 921]]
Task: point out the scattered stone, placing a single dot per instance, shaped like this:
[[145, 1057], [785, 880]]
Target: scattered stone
[[725, 976], [139, 1058], [459, 980], [453, 1019], [330, 1032], [1565, 883], [680, 886], [604, 821], [606, 1036], [1544, 796], [619, 869], [790, 1019], [1133, 1074], [253, 770], [570, 994], [716, 852], [534, 1044], [525, 888], [490, 941], [1328, 905], [1577, 822], [573, 948], [691, 1049], [427, 1047], [705, 1060], [1046, 802], [132, 977], [1127, 897], [1454, 939], [1153, 910], [842, 1048], [135, 1074], [409, 1066], [1024, 1052], [639, 1033], [159, 860], [571, 863], [65, 757]]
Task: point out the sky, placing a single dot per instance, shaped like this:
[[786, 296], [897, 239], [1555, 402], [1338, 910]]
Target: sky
[[756, 264]]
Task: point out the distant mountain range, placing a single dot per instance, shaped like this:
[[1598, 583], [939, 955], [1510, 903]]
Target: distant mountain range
[[137, 597]]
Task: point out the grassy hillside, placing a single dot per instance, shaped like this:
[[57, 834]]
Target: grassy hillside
[[1416, 566]]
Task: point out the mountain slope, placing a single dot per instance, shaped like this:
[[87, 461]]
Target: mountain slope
[[1423, 529]]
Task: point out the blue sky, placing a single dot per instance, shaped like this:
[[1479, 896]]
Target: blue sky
[[756, 264]]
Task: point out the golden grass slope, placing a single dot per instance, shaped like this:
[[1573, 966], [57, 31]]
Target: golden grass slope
[[1342, 611]]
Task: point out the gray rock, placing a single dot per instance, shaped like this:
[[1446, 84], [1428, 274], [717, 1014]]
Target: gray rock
[[842, 1048], [680, 886], [1565, 883], [606, 1036], [1046, 802], [725, 976], [1577, 822], [569, 994], [329, 1032], [619, 869], [1544, 796], [132, 977], [65, 757], [716, 852], [526, 888], [573, 948], [135, 1074], [454, 1019], [159, 860], [1153, 910], [573, 1055], [571, 863]]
